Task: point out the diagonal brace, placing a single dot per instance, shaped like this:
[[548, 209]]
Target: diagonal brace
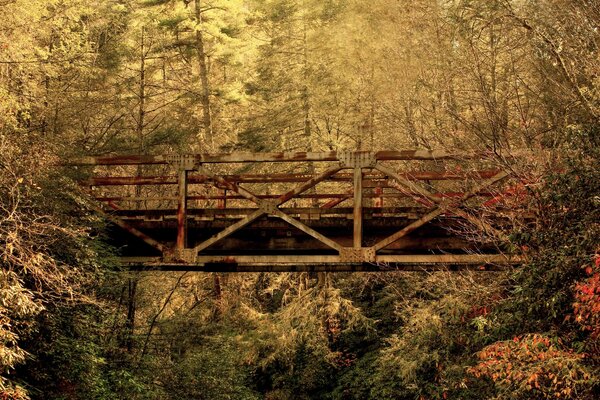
[[443, 206], [265, 207], [412, 187], [231, 186], [229, 230], [134, 231], [323, 239], [308, 184]]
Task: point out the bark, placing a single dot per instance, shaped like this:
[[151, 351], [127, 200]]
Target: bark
[[131, 309], [203, 66]]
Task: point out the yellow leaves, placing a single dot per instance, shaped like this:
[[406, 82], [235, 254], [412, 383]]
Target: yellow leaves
[[120, 8]]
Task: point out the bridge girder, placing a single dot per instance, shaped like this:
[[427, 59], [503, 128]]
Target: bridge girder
[[246, 203]]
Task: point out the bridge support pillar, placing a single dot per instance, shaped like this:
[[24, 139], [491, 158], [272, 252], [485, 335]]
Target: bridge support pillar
[[357, 241], [182, 210]]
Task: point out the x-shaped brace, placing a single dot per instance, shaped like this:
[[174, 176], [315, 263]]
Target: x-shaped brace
[[443, 205], [268, 207]]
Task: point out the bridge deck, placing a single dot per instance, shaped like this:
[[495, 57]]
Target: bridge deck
[[349, 211]]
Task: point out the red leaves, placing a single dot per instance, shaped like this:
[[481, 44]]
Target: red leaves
[[587, 295], [532, 362]]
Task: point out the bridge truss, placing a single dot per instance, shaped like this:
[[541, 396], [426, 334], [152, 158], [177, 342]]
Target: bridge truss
[[320, 211]]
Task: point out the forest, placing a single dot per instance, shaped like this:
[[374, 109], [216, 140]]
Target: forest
[[113, 77]]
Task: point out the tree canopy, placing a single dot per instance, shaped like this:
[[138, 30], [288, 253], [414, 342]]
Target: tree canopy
[[181, 76]]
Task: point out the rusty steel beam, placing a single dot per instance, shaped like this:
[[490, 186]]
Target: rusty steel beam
[[278, 178], [473, 262], [271, 242], [231, 186], [132, 230], [413, 188], [440, 209], [358, 208], [229, 230], [243, 157], [336, 198], [308, 230], [335, 201], [287, 268], [409, 228], [182, 211], [307, 185], [410, 259], [386, 211], [346, 212]]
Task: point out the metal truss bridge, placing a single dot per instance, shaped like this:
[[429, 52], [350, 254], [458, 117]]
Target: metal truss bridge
[[319, 211]]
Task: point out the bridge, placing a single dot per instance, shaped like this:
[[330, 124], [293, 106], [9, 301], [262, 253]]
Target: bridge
[[305, 211]]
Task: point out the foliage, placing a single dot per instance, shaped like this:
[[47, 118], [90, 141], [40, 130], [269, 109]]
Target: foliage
[[533, 366], [172, 76], [587, 296]]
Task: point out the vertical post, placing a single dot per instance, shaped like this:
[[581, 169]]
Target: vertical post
[[379, 198], [357, 207], [221, 203], [182, 209]]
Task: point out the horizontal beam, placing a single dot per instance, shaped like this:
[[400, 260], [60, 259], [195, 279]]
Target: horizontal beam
[[302, 212], [286, 263], [364, 267], [396, 195], [243, 157], [280, 178]]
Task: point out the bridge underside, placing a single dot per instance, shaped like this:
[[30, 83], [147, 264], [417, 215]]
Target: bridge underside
[[371, 219], [272, 245]]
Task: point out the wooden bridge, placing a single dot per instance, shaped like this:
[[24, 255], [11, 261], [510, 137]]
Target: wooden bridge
[[321, 211]]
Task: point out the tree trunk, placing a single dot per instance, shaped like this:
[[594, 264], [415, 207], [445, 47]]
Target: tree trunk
[[131, 308], [205, 96]]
